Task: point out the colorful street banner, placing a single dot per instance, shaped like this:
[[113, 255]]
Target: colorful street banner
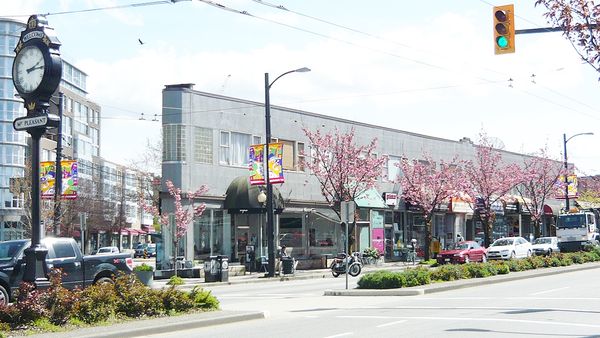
[[275, 161], [69, 179], [256, 160], [560, 187]]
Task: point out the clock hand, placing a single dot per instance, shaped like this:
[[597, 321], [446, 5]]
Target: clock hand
[[34, 68], [29, 70]]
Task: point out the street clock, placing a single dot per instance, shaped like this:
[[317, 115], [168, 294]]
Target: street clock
[[37, 68]]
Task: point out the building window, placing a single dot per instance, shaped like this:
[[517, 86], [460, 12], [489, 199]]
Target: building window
[[174, 142], [393, 169], [203, 145], [233, 148], [301, 158]]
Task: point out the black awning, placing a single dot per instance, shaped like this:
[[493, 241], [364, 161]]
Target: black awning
[[241, 197]]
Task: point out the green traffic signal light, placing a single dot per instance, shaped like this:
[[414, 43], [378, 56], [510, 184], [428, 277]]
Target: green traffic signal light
[[502, 42]]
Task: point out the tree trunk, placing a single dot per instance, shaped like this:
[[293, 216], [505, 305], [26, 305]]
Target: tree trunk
[[428, 239], [537, 224], [176, 245]]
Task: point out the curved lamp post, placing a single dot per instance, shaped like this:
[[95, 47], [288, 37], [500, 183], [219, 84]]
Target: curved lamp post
[[565, 140], [270, 227]]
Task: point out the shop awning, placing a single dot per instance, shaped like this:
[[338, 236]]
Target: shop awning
[[241, 197], [370, 198], [461, 205]]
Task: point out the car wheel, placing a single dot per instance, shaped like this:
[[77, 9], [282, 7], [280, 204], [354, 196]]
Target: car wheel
[[4, 299], [104, 280], [513, 255], [549, 252], [467, 260], [483, 258], [528, 253]]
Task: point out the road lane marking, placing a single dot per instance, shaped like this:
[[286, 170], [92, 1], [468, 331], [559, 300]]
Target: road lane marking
[[549, 291], [462, 319], [341, 335], [499, 308], [392, 323]]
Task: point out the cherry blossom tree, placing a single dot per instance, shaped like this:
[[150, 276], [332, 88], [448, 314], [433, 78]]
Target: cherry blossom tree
[[578, 19], [343, 169], [488, 180], [427, 185], [540, 179], [589, 189], [183, 214]]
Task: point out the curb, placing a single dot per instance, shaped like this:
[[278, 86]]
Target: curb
[[158, 325], [464, 283], [250, 280]]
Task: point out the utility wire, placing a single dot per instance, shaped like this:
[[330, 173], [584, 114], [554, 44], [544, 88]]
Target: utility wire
[[219, 6], [134, 5]]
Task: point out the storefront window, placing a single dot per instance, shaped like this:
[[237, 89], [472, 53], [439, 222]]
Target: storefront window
[[290, 232], [207, 235]]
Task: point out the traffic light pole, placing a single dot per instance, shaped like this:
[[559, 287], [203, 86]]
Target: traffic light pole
[[548, 29]]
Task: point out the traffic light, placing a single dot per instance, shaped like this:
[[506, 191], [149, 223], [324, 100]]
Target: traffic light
[[504, 29]]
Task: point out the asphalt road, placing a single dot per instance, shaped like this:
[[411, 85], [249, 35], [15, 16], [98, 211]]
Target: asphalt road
[[564, 305]]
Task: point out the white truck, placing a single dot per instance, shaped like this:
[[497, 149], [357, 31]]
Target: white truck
[[576, 230]]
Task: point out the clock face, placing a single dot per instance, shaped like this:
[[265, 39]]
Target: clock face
[[28, 69]]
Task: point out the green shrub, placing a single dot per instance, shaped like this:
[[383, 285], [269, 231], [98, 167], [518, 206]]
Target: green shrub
[[135, 299], [448, 272], [97, 303], [176, 300], [430, 262], [478, 270], [501, 267], [371, 280], [203, 299], [143, 267], [372, 253], [536, 262], [417, 276], [58, 300], [29, 304], [175, 280]]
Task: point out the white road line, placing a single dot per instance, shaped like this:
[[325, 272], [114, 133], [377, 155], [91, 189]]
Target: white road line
[[341, 335], [487, 308], [462, 319], [392, 323], [548, 291]]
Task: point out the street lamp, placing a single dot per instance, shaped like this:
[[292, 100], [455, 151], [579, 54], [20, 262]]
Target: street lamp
[[270, 227], [565, 140]]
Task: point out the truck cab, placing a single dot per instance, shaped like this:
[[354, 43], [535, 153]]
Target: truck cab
[[576, 230]]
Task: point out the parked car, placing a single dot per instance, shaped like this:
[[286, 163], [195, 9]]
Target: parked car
[[463, 252], [509, 248], [107, 250], [149, 248], [545, 245], [79, 271]]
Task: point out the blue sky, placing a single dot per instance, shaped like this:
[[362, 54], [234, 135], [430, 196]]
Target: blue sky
[[424, 67]]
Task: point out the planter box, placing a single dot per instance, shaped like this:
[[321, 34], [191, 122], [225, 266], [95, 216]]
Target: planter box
[[146, 277]]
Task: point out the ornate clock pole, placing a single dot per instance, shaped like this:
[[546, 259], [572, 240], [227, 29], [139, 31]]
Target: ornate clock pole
[[36, 74]]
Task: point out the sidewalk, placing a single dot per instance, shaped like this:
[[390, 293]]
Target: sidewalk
[[259, 277]]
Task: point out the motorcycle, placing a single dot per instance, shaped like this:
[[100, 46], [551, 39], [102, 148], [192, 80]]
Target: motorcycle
[[338, 266]]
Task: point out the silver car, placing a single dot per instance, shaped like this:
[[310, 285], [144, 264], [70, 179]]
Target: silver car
[[509, 248], [545, 245]]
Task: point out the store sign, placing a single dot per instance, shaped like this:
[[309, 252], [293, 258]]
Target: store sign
[[390, 198]]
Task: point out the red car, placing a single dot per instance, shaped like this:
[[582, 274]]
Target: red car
[[463, 252]]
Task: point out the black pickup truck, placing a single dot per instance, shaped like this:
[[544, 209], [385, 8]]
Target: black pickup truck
[[63, 253]]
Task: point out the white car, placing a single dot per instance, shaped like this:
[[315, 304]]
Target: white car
[[108, 250], [545, 245], [509, 248]]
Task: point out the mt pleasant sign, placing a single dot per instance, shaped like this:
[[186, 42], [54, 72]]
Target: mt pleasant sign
[[30, 122]]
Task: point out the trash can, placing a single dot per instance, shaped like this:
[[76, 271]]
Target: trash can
[[211, 271], [223, 270], [287, 265]]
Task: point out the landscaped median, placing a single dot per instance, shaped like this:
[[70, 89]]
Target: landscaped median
[[406, 283], [58, 309]]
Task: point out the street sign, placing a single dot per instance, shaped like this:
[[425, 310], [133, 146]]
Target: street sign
[[347, 210], [31, 122]]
